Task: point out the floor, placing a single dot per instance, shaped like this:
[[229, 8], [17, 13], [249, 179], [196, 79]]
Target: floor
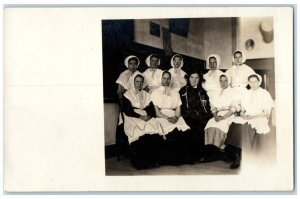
[[268, 141], [124, 168]]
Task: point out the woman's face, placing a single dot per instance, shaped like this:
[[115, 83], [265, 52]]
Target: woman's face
[[166, 79], [177, 62], [154, 62], [213, 63], [254, 83], [194, 79], [238, 58], [132, 65], [138, 83], [224, 82]]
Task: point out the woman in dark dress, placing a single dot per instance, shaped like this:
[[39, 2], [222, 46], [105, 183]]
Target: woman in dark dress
[[195, 110]]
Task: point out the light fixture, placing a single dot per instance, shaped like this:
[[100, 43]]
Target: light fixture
[[249, 44], [266, 28]]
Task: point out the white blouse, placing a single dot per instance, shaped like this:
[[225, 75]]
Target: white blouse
[[153, 77], [238, 75], [126, 79], [255, 103], [212, 80], [177, 80], [167, 100]]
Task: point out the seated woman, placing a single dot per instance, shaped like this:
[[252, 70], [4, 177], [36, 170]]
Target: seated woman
[[139, 124], [167, 107], [224, 103], [153, 73], [195, 110], [178, 75], [125, 80], [212, 77], [253, 121]]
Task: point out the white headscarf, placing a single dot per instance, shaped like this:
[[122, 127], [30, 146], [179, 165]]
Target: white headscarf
[[243, 56], [128, 58], [144, 84], [218, 59], [148, 60], [225, 74], [172, 62], [259, 78]]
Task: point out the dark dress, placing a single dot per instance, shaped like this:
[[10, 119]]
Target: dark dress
[[195, 110]]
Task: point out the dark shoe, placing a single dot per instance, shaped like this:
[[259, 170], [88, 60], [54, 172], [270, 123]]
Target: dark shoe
[[207, 159], [227, 160], [235, 165], [202, 160], [237, 162]]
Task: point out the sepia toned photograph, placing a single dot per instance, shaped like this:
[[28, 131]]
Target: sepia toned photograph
[[148, 99], [188, 96]]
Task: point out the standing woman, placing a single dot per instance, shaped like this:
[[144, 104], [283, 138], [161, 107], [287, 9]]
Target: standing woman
[[253, 120], [178, 75], [195, 110], [238, 73], [126, 79], [153, 73], [212, 77]]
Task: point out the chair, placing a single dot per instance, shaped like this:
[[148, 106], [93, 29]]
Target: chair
[[122, 145]]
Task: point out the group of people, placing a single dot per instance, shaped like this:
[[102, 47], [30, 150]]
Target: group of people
[[173, 118]]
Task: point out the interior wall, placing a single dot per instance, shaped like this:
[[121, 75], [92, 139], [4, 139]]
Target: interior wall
[[111, 114], [192, 46], [218, 39], [265, 67], [249, 28], [142, 32]]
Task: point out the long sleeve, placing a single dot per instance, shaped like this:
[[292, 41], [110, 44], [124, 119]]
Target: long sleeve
[[150, 110], [128, 109], [186, 111]]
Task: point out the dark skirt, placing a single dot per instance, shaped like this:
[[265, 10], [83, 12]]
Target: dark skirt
[[153, 150], [241, 136], [196, 137], [143, 152]]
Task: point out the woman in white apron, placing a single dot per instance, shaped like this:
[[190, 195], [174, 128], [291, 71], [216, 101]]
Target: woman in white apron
[[125, 80], [238, 73], [178, 75], [212, 77], [153, 73], [140, 125], [224, 103], [253, 120], [167, 107]]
